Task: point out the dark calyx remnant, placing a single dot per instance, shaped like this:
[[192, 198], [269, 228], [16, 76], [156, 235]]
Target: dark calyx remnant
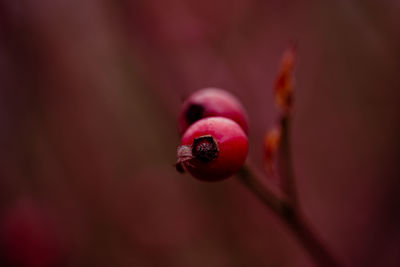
[[194, 113], [205, 148]]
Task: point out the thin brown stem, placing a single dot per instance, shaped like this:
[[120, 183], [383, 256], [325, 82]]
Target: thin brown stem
[[286, 172], [292, 216], [263, 192], [310, 240]]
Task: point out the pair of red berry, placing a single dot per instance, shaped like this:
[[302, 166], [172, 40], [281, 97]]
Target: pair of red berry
[[214, 144]]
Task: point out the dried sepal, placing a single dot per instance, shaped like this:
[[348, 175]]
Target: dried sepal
[[179, 167]]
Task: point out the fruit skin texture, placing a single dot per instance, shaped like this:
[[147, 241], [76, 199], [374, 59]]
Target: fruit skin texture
[[212, 102], [232, 145]]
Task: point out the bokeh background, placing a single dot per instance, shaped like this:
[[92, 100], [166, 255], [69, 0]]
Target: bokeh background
[[90, 93]]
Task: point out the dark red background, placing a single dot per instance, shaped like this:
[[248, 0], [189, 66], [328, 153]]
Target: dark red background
[[89, 98]]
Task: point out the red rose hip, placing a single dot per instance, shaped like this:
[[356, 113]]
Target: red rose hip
[[213, 149], [212, 102]]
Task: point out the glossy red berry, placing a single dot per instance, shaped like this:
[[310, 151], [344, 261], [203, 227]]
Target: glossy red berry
[[213, 149], [212, 102]]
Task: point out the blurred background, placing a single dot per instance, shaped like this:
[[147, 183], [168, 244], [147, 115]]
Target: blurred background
[[90, 93]]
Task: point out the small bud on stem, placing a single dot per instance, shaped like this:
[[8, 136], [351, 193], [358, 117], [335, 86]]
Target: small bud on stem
[[285, 81], [272, 141]]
